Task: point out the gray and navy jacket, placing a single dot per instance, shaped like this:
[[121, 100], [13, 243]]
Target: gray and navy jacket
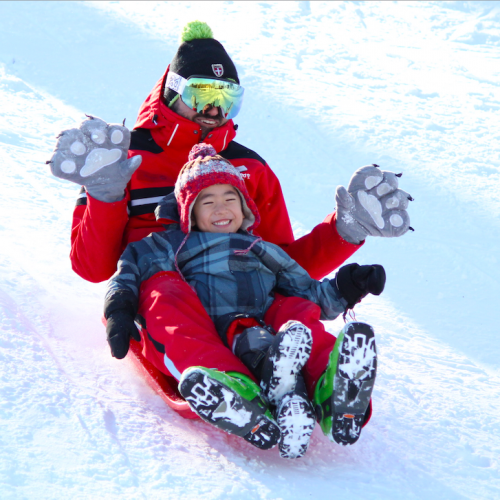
[[225, 281]]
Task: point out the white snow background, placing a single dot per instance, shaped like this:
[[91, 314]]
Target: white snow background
[[330, 87]]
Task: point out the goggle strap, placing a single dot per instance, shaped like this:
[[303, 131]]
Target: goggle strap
[[176, 82]]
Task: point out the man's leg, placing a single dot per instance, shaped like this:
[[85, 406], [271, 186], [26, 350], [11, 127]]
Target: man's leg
[[179, 333]]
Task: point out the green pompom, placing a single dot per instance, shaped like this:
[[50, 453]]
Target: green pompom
[[196, 30]]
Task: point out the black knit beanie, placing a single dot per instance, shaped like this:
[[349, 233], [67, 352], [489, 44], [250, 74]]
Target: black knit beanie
[[200, 54]]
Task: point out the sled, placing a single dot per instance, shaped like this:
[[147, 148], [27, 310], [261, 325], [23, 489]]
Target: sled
[[163, 385]]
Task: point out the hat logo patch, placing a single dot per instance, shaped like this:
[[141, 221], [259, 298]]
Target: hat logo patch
[[218, 69]]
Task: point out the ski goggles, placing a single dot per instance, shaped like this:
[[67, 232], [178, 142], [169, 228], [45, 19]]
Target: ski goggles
[[198, 91]]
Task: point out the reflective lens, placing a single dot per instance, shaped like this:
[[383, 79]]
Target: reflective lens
[[199, 92]]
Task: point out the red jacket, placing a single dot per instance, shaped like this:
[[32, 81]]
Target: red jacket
[[101, 231]]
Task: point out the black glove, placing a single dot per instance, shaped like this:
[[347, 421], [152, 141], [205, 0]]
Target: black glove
[[355, 282], [120, 327]]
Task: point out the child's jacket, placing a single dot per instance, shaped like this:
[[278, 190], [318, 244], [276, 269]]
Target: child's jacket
[[226, 282]]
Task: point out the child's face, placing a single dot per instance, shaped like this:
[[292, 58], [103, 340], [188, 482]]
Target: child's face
[[218, 209]]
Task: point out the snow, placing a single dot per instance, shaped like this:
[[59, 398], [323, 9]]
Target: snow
[[330, 87]]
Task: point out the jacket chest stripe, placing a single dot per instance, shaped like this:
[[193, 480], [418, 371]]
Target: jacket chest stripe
[[145, 201], [173, 133], [225, 137]]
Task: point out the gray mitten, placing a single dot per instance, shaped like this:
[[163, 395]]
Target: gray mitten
[[95, 156], [372, 205]]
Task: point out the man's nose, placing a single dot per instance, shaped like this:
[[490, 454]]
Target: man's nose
[[211, 111]]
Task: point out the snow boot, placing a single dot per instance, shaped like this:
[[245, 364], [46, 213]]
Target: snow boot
[[285, 359], [342, 394], [277, 361], [232, 402], [296, 420]]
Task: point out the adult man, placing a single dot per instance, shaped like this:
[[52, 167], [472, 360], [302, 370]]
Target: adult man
[[194, 101]]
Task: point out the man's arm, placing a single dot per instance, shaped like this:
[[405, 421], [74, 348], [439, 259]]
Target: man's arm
[[97, 237], [372, 205], [95, 155], [320, 252]]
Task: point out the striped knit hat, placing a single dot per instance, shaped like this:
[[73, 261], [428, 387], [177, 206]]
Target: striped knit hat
[[204, 169]]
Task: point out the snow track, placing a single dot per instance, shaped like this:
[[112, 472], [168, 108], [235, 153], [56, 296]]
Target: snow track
[[411, 86]]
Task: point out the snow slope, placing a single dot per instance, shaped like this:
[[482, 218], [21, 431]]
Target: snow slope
[[330, 86]]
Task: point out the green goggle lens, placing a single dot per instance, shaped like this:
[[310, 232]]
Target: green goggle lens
[[199, 92]]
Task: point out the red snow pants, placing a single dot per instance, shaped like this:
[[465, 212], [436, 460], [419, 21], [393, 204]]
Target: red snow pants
[[180, 333]]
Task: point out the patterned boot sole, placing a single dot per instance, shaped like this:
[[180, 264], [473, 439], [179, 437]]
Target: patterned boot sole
[[353, 382], [296, 421], [291, 356], [224, 408]]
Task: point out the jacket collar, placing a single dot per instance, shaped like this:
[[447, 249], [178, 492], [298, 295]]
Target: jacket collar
[[171, 130], [167, 211]]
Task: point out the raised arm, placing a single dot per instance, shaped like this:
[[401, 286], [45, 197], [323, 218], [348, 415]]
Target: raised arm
[[319, 252], [95, 156], [372, 205]]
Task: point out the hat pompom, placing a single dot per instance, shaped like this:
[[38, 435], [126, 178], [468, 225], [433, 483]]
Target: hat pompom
[[201, 151], [196, 30]]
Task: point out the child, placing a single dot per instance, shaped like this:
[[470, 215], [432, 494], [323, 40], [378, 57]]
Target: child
[[236, 275]]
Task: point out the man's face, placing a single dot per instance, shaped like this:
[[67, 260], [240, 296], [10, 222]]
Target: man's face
[[208, 119], [218, 209]]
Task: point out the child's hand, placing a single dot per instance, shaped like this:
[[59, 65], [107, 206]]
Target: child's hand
[[372, 205], [95, 156], [120, 327], [355, 282]]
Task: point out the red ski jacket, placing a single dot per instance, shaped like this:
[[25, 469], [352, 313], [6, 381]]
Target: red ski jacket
[[101, 231]]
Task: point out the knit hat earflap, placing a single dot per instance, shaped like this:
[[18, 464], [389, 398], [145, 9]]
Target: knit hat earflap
[[201, 55], [204, 169]]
